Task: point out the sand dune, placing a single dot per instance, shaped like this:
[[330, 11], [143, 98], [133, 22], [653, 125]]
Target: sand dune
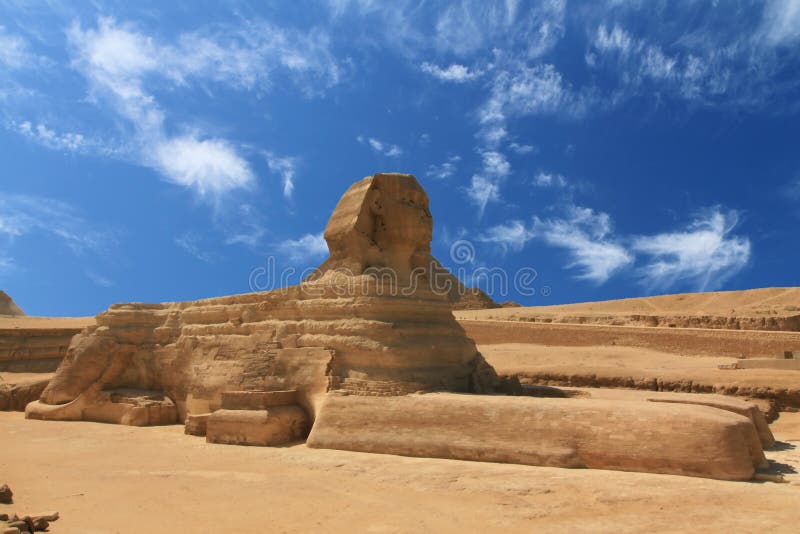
[[775, 308], [30, 322]]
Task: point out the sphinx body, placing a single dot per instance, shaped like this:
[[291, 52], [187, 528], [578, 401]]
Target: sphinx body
[[371, 307], [356, 341]]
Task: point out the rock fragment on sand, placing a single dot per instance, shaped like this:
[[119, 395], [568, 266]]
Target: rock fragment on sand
[[6, 495]]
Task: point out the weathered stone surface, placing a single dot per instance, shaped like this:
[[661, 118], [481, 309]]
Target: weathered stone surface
[[14, 397], [8, 306], [31, 345], [257, 400], [277, 425], [196, 424], [6, 495], [741, 407], [119, 406], [627, 436]]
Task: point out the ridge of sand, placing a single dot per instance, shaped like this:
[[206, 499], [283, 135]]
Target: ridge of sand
[[104, 478], [28, 322], [774, 308]]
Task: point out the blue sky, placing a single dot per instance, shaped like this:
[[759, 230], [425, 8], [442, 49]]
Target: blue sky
[[618, 148]]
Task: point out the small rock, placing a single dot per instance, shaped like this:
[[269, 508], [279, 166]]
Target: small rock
[[21, 526], [49, 516], [3, 517], [6, 495], [40, 525]]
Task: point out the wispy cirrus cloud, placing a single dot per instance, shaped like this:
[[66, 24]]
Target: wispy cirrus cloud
[[286, 167], [522, 149], [40, 133], [780, 24], [453, 73], [304, 249], [127, 67], [704, 255], [547, 179], [381, 147], [481, 191], [15, 52], [443, 170], [588, 237], [191, 243], [27, 216], [512, 235]]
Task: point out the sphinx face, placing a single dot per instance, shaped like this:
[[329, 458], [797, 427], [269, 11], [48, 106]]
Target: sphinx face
[[381, 222], [403, 221]]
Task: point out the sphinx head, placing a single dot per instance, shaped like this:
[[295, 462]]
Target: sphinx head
[[382, 221]]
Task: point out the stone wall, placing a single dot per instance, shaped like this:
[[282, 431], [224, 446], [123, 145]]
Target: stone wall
[[33, 350], [691, 341]]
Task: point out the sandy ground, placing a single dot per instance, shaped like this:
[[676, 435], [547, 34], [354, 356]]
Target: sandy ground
[[619, 361], [771, 301], [108, 478], [26, 322]]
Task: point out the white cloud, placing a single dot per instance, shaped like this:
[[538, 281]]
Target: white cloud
[[495, 163], [443, 170], [468, 26], [454, 73], [381, 147], [492, 135], [544, 179], [481, 191], [115, 59], [121, 63], [587, 236], [512, 235], [715, 58], [616, 40], [41, 134], [705, 254], [210, 166], [519, 90], [304, 249], [522, 149], [286, 167], [780, 24]]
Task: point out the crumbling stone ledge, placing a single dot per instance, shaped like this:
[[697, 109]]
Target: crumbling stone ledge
[[780, 398]]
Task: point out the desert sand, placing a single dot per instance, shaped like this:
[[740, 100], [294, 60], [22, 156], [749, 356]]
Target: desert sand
[[637, 364], [11, 322], [111, 478], [775, 308]]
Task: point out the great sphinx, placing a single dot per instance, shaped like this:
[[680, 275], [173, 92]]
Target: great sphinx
[[376, 361]]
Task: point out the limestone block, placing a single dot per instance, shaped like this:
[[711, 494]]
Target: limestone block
[[741, 407], [601, 434], [125, 407], [257, 400], [276, 426], [195, 424], [14, 397]]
